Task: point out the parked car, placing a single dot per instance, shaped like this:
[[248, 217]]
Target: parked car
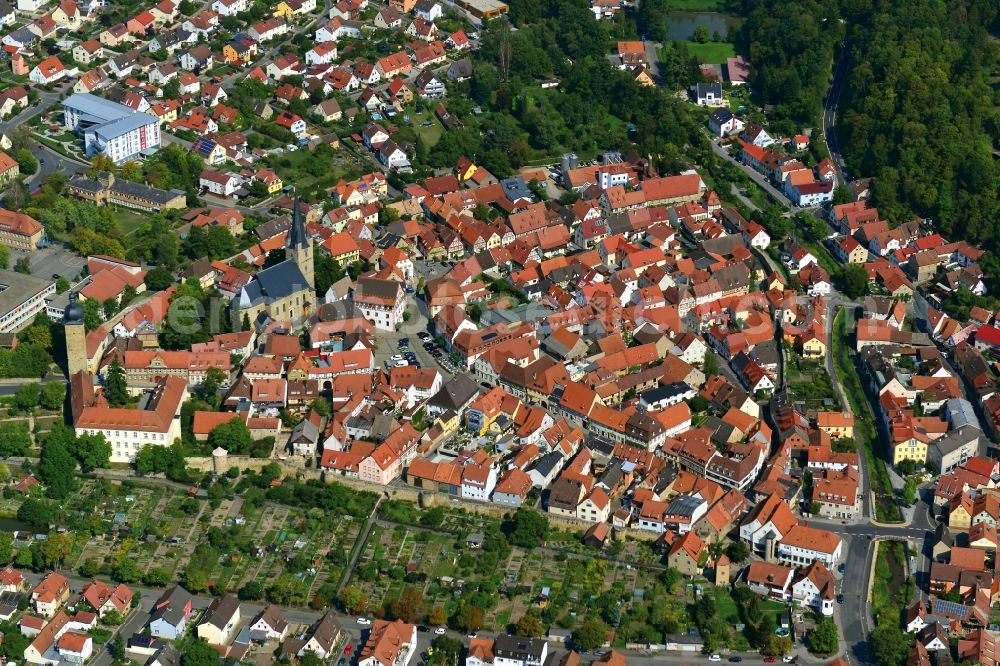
[[714, 658], [439, 631], [735, 660], [364, 622]]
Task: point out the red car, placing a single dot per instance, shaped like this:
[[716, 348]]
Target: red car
[[348, 648], [769, 660]]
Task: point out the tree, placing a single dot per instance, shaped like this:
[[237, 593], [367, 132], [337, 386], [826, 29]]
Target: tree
[[824, 638], [777, 646], [57, 467], [529, 625], [90, 568], [909, 493], [23, 265], [116, 386], [852, 279], [15, 440], [91, 314], [469, 618], [53, 395], [408, 606], [354, 600], [527, 528], [187, 7], [4, 257], [438, 617], [321, 406], [198, 653], [652, 19], [92, 452], [6, 547], [711, 364], [590, 635], [36, 512], [214, 379], [157, 577], [701, 34], [737, 551], [234, 436], [56, 550], [842, 195], [159, 278], [27, 397], [252, 591], [172, 88], [671, 578]]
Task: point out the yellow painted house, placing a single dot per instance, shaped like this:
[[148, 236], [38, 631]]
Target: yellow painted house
[[447, 422], [813, 347], [465, 170], [643, 78], [960, 512], [284, 11], [909, 449], [239, 51]]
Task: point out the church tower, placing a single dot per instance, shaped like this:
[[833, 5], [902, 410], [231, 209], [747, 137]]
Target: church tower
[[298, 247], [76, 336]]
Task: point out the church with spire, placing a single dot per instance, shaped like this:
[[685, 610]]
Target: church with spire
[[285, 291]]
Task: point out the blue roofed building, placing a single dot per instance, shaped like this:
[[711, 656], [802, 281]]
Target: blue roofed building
[[109, 128]]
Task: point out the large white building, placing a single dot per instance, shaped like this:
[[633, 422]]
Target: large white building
[[156, 422], [804, 545], [21, 298], [381, 302], [109, 128]]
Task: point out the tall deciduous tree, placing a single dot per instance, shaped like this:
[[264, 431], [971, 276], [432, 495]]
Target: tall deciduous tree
[[57, 466], [116, 387]]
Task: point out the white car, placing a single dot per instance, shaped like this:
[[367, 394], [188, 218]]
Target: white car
[[789, 659], [715, 657], [439, 631], [401, 363], [364, 622], [396, 357]]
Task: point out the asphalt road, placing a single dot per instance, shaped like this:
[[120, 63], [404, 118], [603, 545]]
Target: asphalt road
[[756, 177], [830, 113]]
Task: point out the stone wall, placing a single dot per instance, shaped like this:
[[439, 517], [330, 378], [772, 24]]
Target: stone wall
[[295, 467]]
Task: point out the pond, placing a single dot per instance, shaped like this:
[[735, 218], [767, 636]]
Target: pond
[[681, 24], [14, 525]]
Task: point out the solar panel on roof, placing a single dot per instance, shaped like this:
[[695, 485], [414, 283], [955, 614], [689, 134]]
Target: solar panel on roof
[[951, 608]]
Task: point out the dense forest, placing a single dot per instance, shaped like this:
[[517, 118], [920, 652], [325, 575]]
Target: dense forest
[[597, 107], [919, 112], [790, 45]]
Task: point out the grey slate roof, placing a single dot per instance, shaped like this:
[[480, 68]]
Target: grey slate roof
[[170, 606], [455, 393], [274, 283]]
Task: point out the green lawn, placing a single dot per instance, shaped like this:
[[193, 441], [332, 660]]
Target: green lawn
[[430, 134], [713, 53], [128, 221]]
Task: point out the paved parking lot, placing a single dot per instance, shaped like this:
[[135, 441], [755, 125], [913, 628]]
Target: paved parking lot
[[388, 342], [52, 260]]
